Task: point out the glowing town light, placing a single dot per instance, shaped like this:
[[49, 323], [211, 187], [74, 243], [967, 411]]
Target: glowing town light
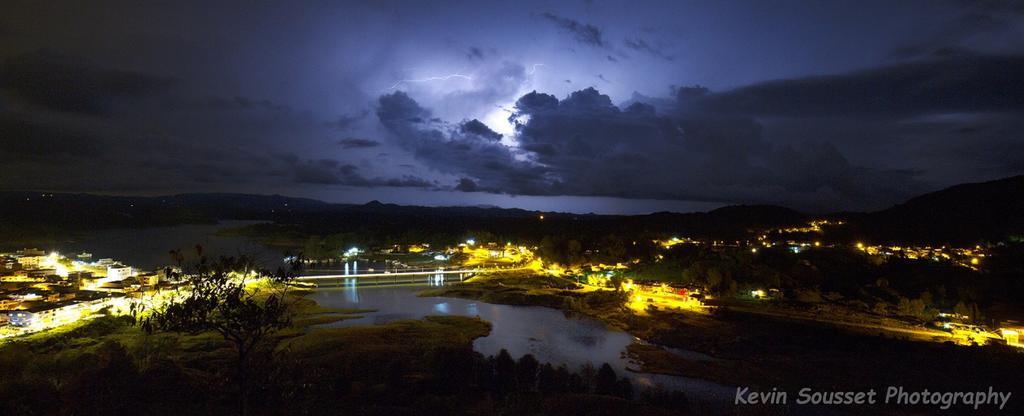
[[754, 250], [975, 261], [352, 252], [1012, 337], [470, 242], [61, 270], [860, 246]]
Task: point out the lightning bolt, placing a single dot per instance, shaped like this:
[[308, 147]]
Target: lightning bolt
[[430, 79], [533, 69]]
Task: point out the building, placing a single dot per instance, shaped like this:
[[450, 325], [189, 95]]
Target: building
[[30, 262], [149, 279], [9, 304], [76, 278], [46, 315], [42, 272], [1012, 332], [20, 318], [118, 272]]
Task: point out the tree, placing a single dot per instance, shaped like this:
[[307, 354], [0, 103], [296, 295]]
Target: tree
[[452, 365], [605, 381], [574, 252], [108, 384], [526, 372], [547, 379], [624, 388], [617, 279], [614, 249], [216, 296], [504, 372], [962, 309]]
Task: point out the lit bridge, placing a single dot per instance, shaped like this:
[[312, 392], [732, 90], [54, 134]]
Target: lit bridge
[[354, 277]]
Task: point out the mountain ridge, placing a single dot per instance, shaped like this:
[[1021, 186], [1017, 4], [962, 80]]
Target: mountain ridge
[[963, 213]]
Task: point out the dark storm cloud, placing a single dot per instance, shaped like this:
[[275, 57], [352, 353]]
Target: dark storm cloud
[[976, 20], [245, 103], [466, 185], [598, 149], [958, 84], [236, 103], [586, 145], [21, 138], [70, 125], [585, 33], [640, 45], [63, 83], [55, 151], [189, 97], [491, 164], [398, 111], [333, 172], [347, 121], [480, 129], [475, 54], [357, 143]]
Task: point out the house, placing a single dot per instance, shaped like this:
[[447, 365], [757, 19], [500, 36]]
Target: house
[[30, 262], [45, 315], [118, 272], [1012, 332]]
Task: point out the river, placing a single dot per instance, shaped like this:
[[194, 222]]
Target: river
[[548, 334]]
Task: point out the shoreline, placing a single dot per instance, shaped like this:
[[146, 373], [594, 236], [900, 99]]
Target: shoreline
[[752, 349]]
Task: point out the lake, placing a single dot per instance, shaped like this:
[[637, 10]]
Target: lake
[[548, 334]]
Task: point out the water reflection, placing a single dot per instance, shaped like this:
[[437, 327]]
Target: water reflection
[[548, 334]]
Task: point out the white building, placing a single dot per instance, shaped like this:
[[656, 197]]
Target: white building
[[118, 272]]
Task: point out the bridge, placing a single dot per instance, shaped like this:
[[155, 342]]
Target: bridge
[[365, 277]]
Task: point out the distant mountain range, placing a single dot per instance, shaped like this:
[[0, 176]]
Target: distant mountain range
[[989, 211]]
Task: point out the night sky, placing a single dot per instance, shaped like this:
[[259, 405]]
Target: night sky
[[585, 106]]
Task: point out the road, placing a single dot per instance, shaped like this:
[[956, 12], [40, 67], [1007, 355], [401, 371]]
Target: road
[[922, 333]]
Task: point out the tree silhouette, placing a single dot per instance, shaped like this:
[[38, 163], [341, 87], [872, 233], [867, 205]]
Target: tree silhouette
[[217, 295], [504, 372], [526, 372], [605, 381]]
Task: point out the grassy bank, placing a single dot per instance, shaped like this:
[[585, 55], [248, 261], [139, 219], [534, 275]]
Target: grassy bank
[[525, 288], [109, 366], [757, 350]]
